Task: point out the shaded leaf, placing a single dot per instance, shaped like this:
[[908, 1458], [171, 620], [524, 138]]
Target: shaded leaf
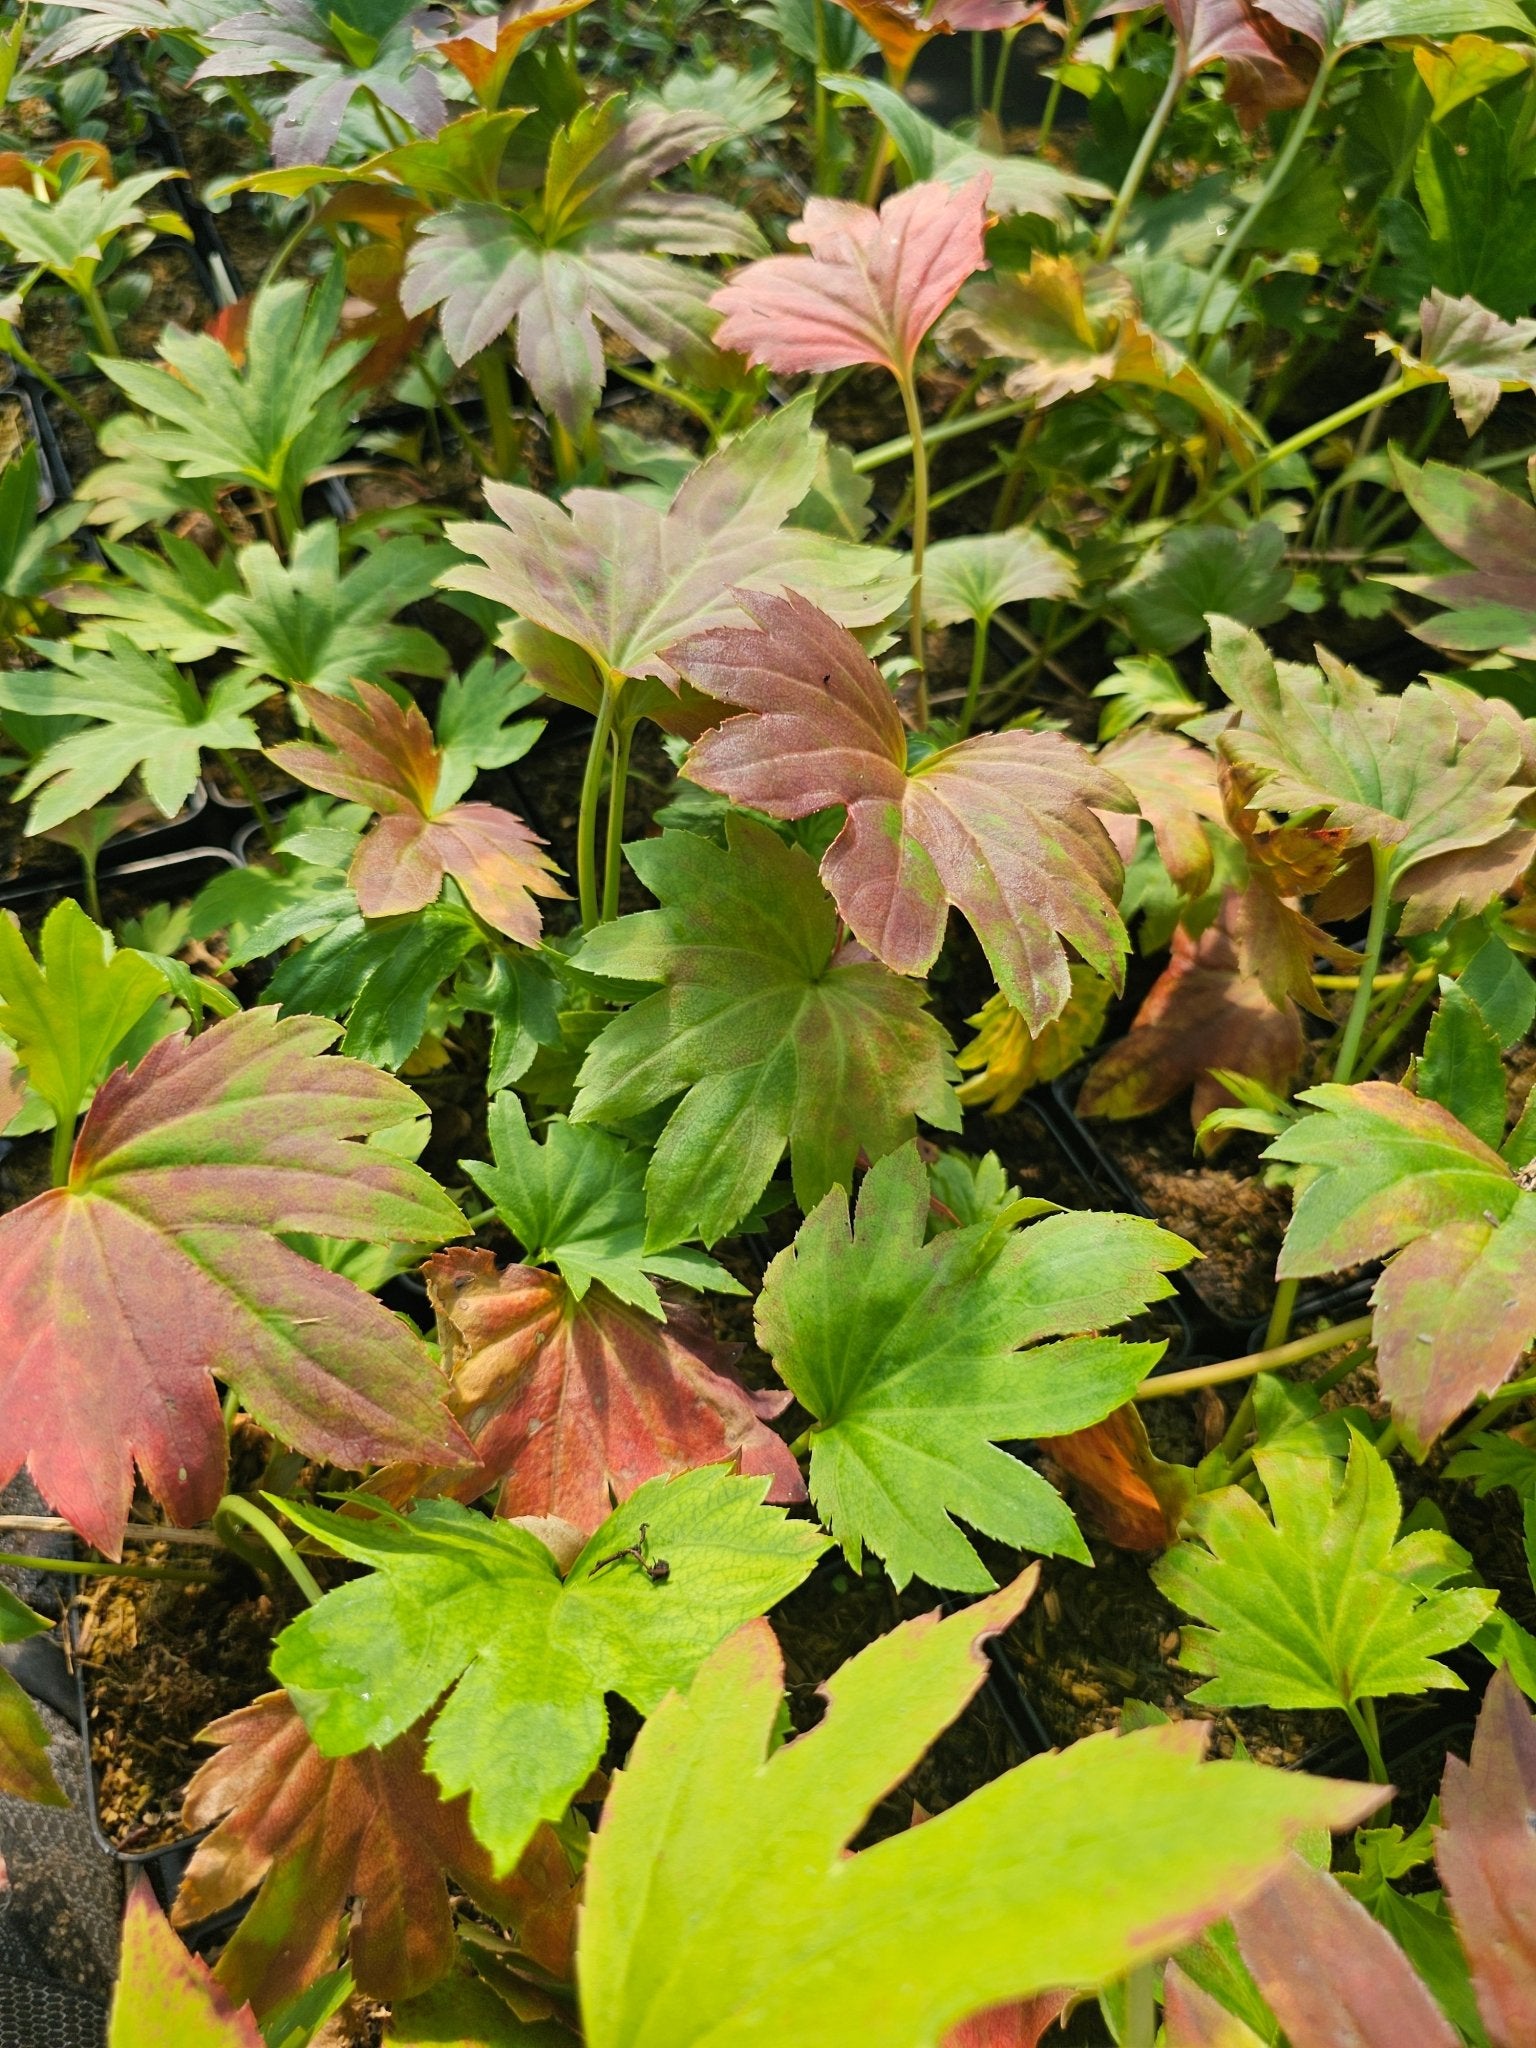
[[1492, 599], [693, 1932], [1460, 1067], [1350, 24], [871, 287], [1002, 826], [1136, 1498], [1202, 1013], [623, 581], [1455, 1310], [382, 756], [1201, 569], [772, 1033], [25, 1772], [313, 1836], [573, 1401], [183, 1169], [974, 575], [476, 1609], [1334, 1977], [907, 1355], [1487, 1859], [164, 1995], [1319, 1607], [1013, 1059]]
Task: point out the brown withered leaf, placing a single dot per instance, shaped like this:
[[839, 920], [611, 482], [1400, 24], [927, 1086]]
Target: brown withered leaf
[[572, 1404], [1486, 1853], [1135, 1497], [1277, 942], [317, 1835], [1203, 1011]]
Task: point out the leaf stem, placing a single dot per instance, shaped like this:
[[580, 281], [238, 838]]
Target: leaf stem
[[1000, 81], [978, 673], [1362, 1718], [1141, 162], [1318, 432], [1269, 1360], [899, 449], [135, 1532], [63, 1148], [245, 782], [496, 391], [91, 299], [1279, 171], [233, 1508], [907, 382], [1280, 1314], [1370, 961], [92, 1568], [623, 733], [586, 823]]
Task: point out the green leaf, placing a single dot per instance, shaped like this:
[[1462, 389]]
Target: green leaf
[[723, 1911], [306, 622], [1503, 990], [66, 1011], [577, 1202], [476, 1609], [1460, 1066], [25, 1772], [907, 1355], [152, 719], [1314, 1608], [1200, 569], [477, 724], [766, 1034], [380, 974], [68, 232], [974, 575], [166, 1997], [159, 599]]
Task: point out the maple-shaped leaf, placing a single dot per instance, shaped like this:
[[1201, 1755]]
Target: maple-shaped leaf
[[1436, 778], [1493, 599], [773, 1033], [184, 1168], [1136, 1498], [910, 1357], [577, 1202], [1069, 331], [1455, 1311], [25, 1772], [902, 27], [1176, 790], [1487, 1860], [1325, 1605], [573, 1401], [306, 621], [871, 287], [1003, 826], [597, 246], [769, 1930], [382, 755], [1333, 1975], [622, 580], [159, 597], [360, 47], [1012, 1058], [366, 1836], [1338, 25], [477, 1610], [1267, 68], [164, 1994], [1203, 1012], [147, 716], [975, 574], [482, 47], [1475, 354]]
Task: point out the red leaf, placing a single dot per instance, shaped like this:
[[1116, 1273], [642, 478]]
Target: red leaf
[[1001, 826], [384, 757], [157, 1266], [871, 287], [1486, 1853], [1135, 1498], [901, 27], [572, 1405], [1334, 1976], [486, 44], [1020, 2025], [1203, 1011], [371, 1832], [1193, 2019]]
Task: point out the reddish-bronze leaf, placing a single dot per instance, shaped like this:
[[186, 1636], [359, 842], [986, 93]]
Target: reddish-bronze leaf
[[872, 286], [158, 1265], [1175, 786], [901, 27], [1004, 826], [1486, 1853], [484, 46], [382, 755], [315, 1836], [571, 1404], [1135, 1497], [1334, 1976], [1202, 1012], [1023, 2024], [166, 1997], [1193, 2019], [1268, 65]]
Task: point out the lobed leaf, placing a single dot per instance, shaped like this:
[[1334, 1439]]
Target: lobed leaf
[[1487, 1860], [166, 1995]]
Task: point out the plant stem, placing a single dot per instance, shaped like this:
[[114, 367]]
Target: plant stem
[[496, 390], [1272, 1360], [1146, 149], [1396, 1024], [1000, 80], [623, 733], [934, 437], [135, 1532], [978, 671], [1279, 171], [1335, 420], [1053, 98], [1362, 1718], [907, 382], [89, 1568], [1370, 960], [820, 104], [1140, 2008], [586, 823], [246, 783], [1499, 1404], [232, 1508], [91, 299], [1280, 1314], [63, 1147], [88, 877]]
